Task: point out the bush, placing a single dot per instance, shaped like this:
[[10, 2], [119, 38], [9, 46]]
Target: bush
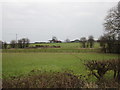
[[99, 68], [44, 80]]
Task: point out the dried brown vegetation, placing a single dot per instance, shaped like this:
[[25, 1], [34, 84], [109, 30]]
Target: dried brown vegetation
[[111, 83], [45, 80], [38, 79]]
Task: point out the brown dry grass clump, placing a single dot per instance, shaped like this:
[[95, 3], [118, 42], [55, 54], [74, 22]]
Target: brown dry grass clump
[[111, 83]]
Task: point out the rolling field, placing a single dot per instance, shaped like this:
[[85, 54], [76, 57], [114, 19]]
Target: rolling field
[[64, 48], [16, 64], [70, 57]]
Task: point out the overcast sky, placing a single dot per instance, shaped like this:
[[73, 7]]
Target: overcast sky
[[39, 21]]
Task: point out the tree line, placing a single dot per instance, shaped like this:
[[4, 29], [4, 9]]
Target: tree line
[[21, 43], [24, 42]]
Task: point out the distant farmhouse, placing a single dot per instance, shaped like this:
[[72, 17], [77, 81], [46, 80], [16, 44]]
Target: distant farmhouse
[[55, 41]]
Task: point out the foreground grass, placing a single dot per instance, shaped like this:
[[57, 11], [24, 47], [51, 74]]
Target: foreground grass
[[16, 64]]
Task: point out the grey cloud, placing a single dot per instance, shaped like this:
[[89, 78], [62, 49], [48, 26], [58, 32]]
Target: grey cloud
[[41, 21]]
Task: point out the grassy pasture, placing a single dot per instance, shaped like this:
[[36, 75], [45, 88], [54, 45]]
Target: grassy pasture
[[51, 50], [15, 64], [65, 48], [70, 57], [67, 45]]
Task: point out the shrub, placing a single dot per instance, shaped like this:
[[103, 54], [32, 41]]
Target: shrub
[[99, 68], [45, 80]]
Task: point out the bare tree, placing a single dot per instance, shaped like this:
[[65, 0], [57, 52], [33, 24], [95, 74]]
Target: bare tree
[[5, 45], [103, 43], [83, 40], [67, 40], [112, 28], [54, 39], [13, 44], [20, 44], [27, 42], [23, 43], [91, 41], [112, 21]]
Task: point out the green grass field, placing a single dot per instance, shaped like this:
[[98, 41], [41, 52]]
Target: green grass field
[[70, 57], [64, 48], [15, 64], [67, 45]]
